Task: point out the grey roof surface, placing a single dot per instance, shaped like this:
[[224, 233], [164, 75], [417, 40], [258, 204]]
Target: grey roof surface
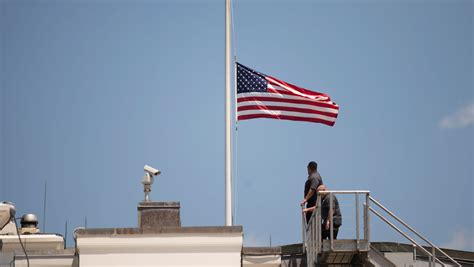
[[169, 204], [67, 253], [257, 251], [465, 256], [400, 247], [292, 249]]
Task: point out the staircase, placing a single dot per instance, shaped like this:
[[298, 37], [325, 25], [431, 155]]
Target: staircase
[[357, 251]]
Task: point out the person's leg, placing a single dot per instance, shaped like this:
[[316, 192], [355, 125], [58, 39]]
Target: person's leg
[[334, 232], [324, 233], [308, 216]]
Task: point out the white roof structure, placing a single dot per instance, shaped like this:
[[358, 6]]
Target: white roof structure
[[174, 246]]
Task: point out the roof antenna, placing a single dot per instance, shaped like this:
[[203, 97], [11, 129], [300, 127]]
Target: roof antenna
[[44, 206], [65, 235]]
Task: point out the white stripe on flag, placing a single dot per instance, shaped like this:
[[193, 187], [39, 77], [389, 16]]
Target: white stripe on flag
[[283, 104], [296, 92], [276, 95]]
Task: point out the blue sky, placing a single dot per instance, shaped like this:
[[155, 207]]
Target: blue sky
[[93, 90]]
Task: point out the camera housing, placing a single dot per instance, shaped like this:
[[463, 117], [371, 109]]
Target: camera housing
[[147, 181], [152, 171]]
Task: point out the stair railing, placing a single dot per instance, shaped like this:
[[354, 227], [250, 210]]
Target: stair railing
[[312, 236], [434, 248]]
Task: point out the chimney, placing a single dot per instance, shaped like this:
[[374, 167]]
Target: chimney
[[153, 215]]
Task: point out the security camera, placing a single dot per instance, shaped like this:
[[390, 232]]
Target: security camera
[[7, 212], [152, 171], [147, 181]]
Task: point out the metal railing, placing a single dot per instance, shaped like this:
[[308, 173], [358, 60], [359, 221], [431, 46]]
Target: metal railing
[[434, 248], [312, 232]]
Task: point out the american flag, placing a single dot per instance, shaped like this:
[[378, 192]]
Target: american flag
[[263, 96]]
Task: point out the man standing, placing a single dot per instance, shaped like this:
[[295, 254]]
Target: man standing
[[325, 212], [310, 187]]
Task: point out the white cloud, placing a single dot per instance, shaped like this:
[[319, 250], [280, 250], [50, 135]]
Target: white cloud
[[462, 118], [461, 239]]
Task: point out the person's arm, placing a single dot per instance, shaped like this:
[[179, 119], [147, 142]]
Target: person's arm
[[308, 196], [312, 190], [310, 209], [326, 224]]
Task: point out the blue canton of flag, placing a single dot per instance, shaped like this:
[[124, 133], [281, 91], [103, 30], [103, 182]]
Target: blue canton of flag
[[249, 80]]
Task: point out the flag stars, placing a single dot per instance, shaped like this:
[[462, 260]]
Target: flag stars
[[249, 80]]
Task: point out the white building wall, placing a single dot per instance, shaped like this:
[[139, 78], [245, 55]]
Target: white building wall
[[46, 262], [43, 250], [171, 249], [161, 259], [32, 242]]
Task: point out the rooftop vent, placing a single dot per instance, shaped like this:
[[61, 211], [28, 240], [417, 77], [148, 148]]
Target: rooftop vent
[[29, 224]]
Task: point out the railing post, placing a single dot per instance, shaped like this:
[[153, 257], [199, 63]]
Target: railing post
[[331, 235], [317, 224], [313, 234], [357, 219], [414, 252], [367, 219], [303, 226], [313, 242], [315, 250]]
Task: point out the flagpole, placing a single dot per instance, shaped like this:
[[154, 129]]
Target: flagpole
[[228, 147]]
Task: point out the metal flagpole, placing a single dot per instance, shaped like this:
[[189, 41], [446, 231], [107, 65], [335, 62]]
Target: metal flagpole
[[228, 152]]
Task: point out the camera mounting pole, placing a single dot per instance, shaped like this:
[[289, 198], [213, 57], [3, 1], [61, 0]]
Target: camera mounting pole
[[148, 179], [147, 182]]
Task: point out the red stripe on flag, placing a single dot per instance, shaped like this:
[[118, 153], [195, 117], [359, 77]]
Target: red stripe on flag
[[280, 83], [282, 92], [302, 110], [284, 117], [294, 101]]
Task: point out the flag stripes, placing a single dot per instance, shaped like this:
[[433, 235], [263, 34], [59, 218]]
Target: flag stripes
[[262, 96]]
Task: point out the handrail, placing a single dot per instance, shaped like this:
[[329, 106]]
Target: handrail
[[412, 230], [312, 235], [312, 242], [405, 235], [303, 228], [312, 232], [347, 192]]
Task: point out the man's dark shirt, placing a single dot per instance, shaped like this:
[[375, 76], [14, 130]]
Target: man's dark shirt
[[314, 180], [337, 217]]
